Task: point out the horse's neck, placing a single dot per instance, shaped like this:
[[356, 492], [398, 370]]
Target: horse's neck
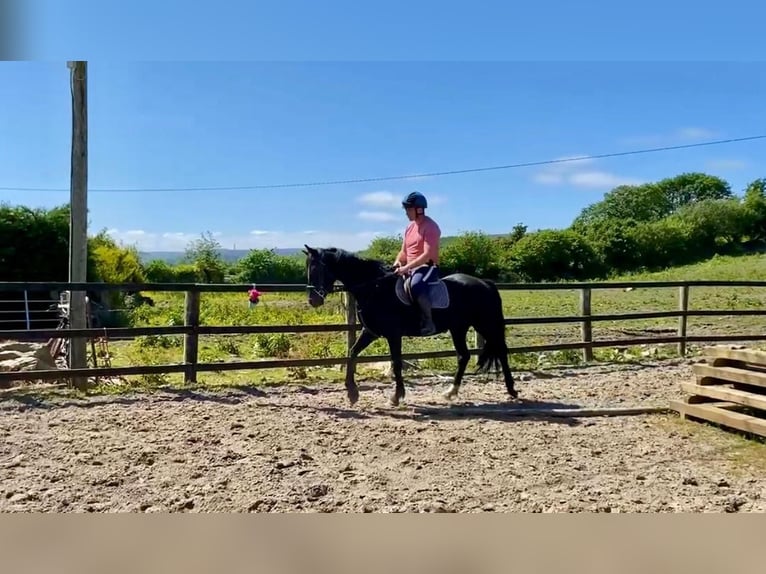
[[359, 274]]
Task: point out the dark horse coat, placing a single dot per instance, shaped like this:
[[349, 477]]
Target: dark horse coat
[[473, 302]]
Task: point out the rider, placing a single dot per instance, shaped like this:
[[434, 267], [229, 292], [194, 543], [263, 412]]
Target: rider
[[419, 254]]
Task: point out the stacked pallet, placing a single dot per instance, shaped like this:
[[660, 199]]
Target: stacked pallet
[[730, 390]]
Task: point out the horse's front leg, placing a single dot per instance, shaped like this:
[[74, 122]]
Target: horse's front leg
[[395, 347], [364, 341]]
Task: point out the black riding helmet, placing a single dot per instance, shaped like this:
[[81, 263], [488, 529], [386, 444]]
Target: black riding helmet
[[415, 199]]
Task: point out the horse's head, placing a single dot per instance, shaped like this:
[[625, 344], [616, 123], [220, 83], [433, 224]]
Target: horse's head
[[326, 266], [320, 277]]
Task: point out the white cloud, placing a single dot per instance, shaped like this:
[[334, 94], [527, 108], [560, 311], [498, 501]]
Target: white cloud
[[377, 216], [601, 179], [694, 134], [579, 173], [381, 199], [387, 200], [727, 164], [548, 177], [178, 241], [436, 199]]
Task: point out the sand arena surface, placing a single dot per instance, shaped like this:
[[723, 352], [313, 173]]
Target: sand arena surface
[[302, 448]]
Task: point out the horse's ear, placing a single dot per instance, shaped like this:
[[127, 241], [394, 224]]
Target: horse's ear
[[309, 250]]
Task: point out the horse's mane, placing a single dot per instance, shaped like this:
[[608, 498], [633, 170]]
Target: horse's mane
[[363, 265]]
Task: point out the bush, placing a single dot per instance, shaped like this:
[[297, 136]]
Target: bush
[[474, 253], [551, 255], [265, 266]]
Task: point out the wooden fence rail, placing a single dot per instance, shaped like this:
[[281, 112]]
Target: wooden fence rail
[[192, 329]]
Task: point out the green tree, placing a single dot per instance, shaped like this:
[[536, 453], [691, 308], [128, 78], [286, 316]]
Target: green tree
[[754, 203], [205, 254], [653, 201], [34, 243], [647, 202], [689, 188]]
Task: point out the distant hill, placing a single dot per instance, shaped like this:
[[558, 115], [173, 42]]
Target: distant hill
[[229, 255]]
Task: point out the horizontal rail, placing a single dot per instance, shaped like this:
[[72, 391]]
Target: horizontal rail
[[329, 361], [298, 287], [343, 327], [634, 316]]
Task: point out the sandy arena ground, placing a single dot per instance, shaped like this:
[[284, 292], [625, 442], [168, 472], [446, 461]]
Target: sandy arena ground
[[300, 448]]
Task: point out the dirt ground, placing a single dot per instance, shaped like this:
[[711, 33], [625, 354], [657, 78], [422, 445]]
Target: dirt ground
[[300, 448]]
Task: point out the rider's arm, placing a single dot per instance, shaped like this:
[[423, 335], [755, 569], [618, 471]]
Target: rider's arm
[[401, 257]]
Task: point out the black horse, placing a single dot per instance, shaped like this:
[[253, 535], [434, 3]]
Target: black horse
[[384, 310]]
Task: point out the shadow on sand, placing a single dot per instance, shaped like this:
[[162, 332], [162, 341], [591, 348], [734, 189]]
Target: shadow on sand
[[520, 410]]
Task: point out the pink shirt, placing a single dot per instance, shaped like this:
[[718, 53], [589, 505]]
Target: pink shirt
[[253, 295], [417, 236]]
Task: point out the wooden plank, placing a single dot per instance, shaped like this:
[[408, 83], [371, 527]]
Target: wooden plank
[[549, 412], [725, 417], [725, 394], [111, 332], [710, 375], [718, 354]]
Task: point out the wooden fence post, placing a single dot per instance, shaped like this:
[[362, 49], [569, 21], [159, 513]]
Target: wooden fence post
[[191, 340], [683, 307], [587, 325]]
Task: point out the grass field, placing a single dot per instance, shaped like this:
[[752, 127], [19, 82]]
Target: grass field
[[292, 308]]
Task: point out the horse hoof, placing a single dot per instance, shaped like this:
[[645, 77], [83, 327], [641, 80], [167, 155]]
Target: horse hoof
[[353, 398], [394, 401], [449, 395]]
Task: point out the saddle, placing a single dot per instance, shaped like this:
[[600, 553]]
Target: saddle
[[437, 292]]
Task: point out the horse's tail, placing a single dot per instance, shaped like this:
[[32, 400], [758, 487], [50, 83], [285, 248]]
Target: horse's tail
[[492, 330]]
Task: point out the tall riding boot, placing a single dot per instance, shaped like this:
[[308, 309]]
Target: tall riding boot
[[427, 326]]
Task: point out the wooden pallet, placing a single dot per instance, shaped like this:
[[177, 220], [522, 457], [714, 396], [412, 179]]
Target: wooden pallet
[[730, 390]]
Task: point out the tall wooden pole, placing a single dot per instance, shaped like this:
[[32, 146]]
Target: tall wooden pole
[[78, 222]]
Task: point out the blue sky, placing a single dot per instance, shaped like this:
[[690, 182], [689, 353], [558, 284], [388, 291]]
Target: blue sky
[[180, 124]]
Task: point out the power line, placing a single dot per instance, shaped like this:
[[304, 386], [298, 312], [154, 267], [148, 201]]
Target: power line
[[398, 177]]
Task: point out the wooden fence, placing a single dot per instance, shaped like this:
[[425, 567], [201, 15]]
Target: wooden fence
[[192, 328]]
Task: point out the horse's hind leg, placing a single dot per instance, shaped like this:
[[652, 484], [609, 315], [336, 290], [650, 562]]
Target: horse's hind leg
[[495, 349], [508, 376], [463, 357]]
